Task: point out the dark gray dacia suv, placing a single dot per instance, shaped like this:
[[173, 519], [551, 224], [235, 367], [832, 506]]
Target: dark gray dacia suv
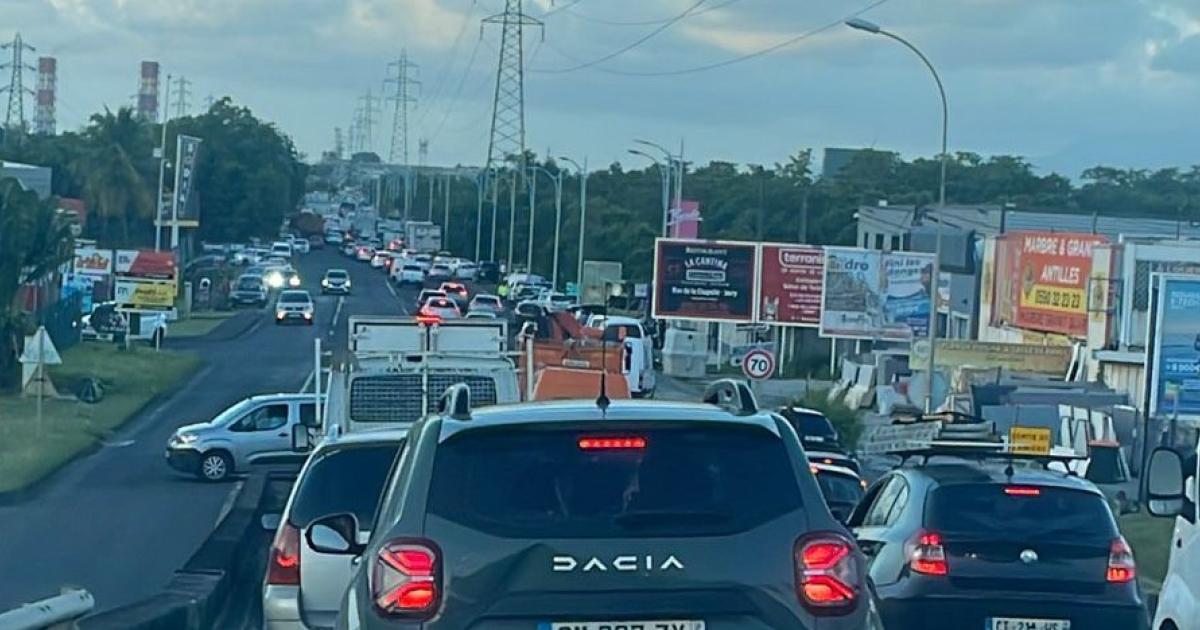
[[582, 515]]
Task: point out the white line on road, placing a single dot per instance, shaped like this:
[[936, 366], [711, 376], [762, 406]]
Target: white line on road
[[337, 313], [229, 500]]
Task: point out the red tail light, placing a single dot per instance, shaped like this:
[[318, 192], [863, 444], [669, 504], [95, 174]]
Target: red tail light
[[928, 556], [283, 567], [828, 575], [1022, 491], [1121, 567], [611, 443], [425, 318], [406, 579]]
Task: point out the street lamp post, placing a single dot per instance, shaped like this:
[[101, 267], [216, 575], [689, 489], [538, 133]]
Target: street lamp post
[[875, 29], [583, 181], [558, 186], [162, 167], [675, 172], [665, 175], [480, 182]]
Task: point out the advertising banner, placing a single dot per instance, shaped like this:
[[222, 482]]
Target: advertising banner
[[1018, 357], [82, 285], [93, 262], [145, 263], [685, 220], [1175, 379], [869, 294], [1052, 271], [704, 280], [187, 149], [790, 283], [145, 293]]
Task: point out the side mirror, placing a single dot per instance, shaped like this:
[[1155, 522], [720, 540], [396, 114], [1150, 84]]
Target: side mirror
[[300, 439], [1165, 489], [337, 534]]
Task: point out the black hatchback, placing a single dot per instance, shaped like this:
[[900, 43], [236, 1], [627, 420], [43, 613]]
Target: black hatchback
[[978, 545], [571, 515]]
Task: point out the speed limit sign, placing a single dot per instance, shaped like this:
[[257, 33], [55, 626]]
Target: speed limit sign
[[758, 364]]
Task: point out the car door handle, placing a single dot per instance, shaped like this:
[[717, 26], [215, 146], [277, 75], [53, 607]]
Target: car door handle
[[285, 434]]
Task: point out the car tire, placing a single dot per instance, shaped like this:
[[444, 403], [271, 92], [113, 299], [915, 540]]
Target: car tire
[[215, 466]]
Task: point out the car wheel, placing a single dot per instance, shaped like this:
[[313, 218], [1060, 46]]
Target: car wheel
[[215, 466]]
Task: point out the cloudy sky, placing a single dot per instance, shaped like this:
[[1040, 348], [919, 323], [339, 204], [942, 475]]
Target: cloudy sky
[[1068, 83]]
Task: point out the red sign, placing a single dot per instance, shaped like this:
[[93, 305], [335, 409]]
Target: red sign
[[145, 263], [685, 220], [791, 278], [1048, 284]]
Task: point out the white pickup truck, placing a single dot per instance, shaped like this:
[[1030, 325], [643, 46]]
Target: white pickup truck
[[1171, 492], [398, 367]]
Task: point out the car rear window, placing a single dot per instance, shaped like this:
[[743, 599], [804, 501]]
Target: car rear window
[[809, 424], [1021, 512], [683, 481], [840, 489], [345, 480]]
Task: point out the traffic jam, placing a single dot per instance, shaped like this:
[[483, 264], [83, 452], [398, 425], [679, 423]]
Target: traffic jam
[[499, 454]]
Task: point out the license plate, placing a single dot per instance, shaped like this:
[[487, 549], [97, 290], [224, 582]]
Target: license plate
[[1011, 623], [623, 625]]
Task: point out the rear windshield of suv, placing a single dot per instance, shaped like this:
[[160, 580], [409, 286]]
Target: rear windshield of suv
[[346, 480], [679, 481], [1024, 512]]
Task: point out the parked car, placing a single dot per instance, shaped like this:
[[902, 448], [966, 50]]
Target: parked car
[[107, 323], [293, 306], [336, 281], [255, 431], [584, 515], [249, 288], [344, 475], [407, 273]]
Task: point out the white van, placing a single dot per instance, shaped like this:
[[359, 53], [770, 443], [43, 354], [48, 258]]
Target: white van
[[1171, 491], [282, 249], [637, 361]]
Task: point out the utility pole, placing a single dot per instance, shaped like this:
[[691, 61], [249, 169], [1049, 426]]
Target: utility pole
[[446, 218], [15, 118], [209, 101], [183, 101], [338, 147], [367, 120], [401, 100], [507, 138], [159, 206]]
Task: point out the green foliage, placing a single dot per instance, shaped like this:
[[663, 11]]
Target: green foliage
[[847, 421]]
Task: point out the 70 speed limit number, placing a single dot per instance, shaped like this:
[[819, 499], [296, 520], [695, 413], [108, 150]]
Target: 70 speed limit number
[[758, 364]]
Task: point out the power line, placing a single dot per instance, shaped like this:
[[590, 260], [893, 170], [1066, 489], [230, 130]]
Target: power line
[[587, 18], [638, 42], [445, 71], [561, 8], [453, 104], [401, 99], [719, 64]]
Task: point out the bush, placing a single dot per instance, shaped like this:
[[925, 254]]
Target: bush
[[847, 421]]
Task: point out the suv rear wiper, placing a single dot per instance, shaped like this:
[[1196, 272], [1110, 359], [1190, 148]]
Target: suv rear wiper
[[642, 518]]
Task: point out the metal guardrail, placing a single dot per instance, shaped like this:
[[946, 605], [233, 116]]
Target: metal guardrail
[[60, 611]]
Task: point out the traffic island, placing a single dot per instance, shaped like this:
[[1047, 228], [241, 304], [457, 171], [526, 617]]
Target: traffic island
[[130, 380]]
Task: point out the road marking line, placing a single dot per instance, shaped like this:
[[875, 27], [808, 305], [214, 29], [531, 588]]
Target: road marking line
[[337, 313], [229, 500]]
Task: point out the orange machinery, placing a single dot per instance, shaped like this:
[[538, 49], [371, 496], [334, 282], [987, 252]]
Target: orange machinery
[[568, 359]]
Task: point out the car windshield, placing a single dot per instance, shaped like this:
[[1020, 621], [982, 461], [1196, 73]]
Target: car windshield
[[337, 275], [294, 297], [250, 282], [1030, 513], [685, 480]]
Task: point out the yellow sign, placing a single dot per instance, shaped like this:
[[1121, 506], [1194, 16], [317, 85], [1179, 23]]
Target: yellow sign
[[1068, 300], [1029, 440], [145, 293], [1040, 359]]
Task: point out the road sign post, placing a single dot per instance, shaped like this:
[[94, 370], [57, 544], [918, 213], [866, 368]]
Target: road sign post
[[758, 364]]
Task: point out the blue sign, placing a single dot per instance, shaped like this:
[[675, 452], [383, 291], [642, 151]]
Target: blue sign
[[1175, 384]]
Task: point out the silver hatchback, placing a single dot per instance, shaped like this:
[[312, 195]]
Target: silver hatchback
[[303, 587]]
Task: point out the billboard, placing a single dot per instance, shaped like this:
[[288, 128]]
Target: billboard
[[1047, 280], [685, 220], [869, 294], [93, 262], [145, 293], [145, 263], [704, 280], [1175, 379], [790, 280], [1018, 357]]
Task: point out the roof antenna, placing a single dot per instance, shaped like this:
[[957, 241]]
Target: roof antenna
[[602, 400]]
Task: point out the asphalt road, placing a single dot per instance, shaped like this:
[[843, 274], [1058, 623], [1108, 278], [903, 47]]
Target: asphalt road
[[119, 522]]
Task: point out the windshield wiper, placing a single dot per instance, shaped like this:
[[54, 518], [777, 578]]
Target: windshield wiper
[[642, 518]]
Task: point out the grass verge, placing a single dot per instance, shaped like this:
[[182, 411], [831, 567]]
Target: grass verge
[[29, 452], [1150, 538], [198, 325]]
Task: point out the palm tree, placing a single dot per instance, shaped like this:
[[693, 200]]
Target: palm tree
[[115, 169]]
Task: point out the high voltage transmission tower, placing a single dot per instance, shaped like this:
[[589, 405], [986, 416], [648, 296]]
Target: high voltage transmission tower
[[366, 119], [15, 119], [401, 99], [508, 106], [183, 98], [339, 148]]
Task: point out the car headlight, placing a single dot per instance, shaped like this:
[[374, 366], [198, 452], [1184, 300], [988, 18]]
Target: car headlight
[[275, 279], [185, 438], [347, 283], [280, 314], [294, 281], [325, 283]]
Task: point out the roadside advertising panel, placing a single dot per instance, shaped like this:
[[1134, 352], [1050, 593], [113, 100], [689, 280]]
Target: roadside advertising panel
[[1018, 357], [704, 280], [145, 293], [790, 283], [92, 261], [145, 263], [1052, 271], [869, 294], [685, 220], [1175, 379]]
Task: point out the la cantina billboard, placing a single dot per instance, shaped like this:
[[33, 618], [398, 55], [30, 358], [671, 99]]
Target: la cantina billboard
[[1048, 277], [790, 281], [704, 280]]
